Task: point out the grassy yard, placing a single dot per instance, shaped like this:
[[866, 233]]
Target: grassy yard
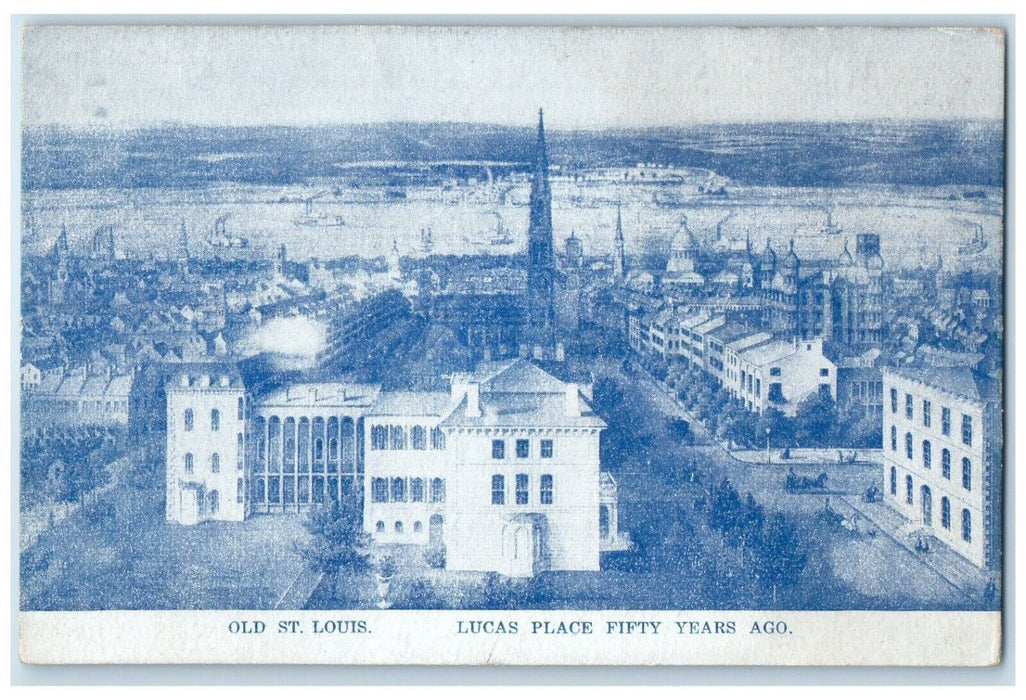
[[121, 554]]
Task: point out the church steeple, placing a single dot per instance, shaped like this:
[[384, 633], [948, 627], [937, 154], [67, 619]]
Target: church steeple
[[619, 267], [540, 257]]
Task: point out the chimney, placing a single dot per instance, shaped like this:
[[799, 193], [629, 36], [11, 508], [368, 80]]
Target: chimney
[[473, 400], [312, 393], [573, 400], [184, 380], [225, 380]]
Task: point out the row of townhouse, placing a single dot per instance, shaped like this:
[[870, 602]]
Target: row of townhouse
[[760, 370]]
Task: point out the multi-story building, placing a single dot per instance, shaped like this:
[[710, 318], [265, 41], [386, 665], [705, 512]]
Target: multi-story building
[[942, 456], [502, 470]]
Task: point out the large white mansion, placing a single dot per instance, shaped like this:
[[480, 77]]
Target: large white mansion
[[502, 470]]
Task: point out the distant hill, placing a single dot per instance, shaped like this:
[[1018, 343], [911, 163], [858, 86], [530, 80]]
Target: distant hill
[[784, 154]]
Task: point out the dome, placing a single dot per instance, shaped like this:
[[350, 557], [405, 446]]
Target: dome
[[791, 259], [684, 240], [845, 257]]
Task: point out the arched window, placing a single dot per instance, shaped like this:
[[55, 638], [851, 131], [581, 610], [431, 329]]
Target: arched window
[[215, 420], [239, 451], [379, 437], [215, 463], [188, 419], [379, 490], [438, 490], [437, 439], [189, 463], [894, 481], [908, 490], [418, 526], [498, 490], [318, 449], [399, 490], [967, 474], [417, 490], [418, 437], [333, 448], [927, 456], [215, 502], [398, 527], [946, 463], [239, 491], [946, 513], [967, 526], [242, 408], [908, 445], [379, 526], [894, 439], [397, 437]]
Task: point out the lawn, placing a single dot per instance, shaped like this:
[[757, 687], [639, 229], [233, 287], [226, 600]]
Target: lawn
[[120, 554]]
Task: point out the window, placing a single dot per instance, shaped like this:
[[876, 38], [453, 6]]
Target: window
[[546, 449], [189, 464], [399, 490], [242, 409], [908, 445], [333, 448], [379, 490], [215, 502], [967, 525], [824, 372], [379, 437], [398, 527], [946, 513], [498, 449], [774, 371], [498, 490], [523, 449], [546, 489], [927, 456], [379, 526], [967, 430], [438, 490], [894, 481], [239, 451], [437, 439], [418, 526], [894, 439], [927, 406], [908, 490], [417, 490], [946, 463], [215, 463], [894, 400], [945, 420], [188, 419], [418, 437], [967, 474], [240, 491], [908, 406], [318, 449], [523, 489], [397, 437], [215, 420]]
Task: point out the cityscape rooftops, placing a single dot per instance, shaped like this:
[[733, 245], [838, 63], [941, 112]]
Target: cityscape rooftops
[[959, 381]]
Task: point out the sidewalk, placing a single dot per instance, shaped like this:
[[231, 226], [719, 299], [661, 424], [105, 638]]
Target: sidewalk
[[941, 559]]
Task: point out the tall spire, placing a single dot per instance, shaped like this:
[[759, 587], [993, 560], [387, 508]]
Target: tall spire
[[619, 268], [540, 257]]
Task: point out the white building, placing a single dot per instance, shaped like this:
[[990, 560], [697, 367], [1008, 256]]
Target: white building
[[942, 456], [206, 444], [782, 373], [501, 472]]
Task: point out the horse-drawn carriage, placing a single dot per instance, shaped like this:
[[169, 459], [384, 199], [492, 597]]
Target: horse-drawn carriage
[[800, 482]]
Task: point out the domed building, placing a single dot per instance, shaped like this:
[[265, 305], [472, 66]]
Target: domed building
[[683, 253]]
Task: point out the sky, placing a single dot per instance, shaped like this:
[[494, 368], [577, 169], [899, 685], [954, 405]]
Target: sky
[[125, 76]]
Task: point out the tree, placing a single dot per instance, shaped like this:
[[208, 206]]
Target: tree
[[337, 541], [816, 419], [779, 556]]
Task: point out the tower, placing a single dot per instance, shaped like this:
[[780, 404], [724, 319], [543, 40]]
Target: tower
[[58, 284], [540, 259], [394, 270], [280, 261], [183, 248], [619, 268]]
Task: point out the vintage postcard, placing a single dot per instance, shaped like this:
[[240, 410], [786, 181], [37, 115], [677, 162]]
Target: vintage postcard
[[510, 345]]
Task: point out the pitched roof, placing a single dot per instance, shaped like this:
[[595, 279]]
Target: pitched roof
[[960, 381], [411, 403]]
